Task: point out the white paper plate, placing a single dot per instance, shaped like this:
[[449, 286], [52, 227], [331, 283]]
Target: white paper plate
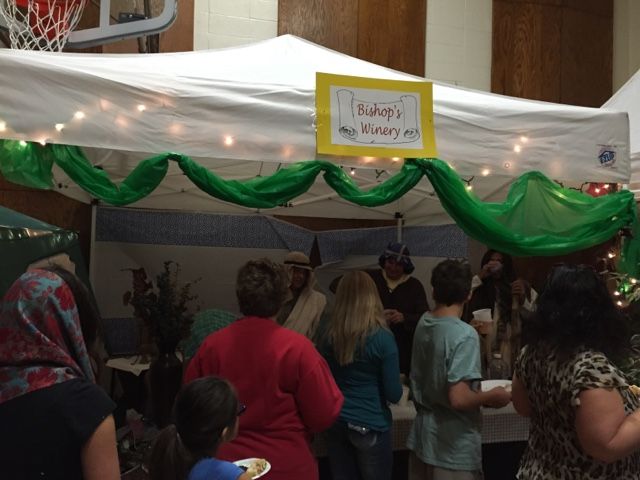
[[247, 462], [489, 384]]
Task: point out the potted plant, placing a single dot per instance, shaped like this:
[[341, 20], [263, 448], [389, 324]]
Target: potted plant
[[164, 311]]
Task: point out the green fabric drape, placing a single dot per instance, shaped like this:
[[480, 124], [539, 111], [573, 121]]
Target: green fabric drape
[[27, 164], [539, 217]]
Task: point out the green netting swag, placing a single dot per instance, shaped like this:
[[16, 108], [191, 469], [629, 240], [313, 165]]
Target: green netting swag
[[538, 217]]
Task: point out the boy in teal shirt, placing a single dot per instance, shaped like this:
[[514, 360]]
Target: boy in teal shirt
[[445, 436]]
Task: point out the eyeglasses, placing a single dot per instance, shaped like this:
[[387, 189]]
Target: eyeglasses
[[241, 408]]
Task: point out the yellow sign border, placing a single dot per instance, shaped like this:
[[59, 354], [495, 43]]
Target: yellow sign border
[[323, 116]]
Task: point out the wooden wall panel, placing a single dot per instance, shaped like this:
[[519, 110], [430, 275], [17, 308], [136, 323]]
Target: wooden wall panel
[[177, 38], [553, 50], [526, 60], [387, 32], [332, 23], [587, 55], [50, 207], [392, 33]]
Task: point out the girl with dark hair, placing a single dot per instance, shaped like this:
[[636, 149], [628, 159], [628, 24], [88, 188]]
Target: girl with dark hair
[[498, 288], [585, 421], [206, 415], [56, 422]]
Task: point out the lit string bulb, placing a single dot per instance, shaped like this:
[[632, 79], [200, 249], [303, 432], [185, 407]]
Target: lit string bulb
[[627, 289], [468, 185]]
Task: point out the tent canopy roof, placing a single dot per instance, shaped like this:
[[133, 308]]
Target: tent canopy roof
[[261, 99]]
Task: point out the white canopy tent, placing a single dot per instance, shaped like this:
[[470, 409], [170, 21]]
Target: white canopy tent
[[244, 111], [627, 99]]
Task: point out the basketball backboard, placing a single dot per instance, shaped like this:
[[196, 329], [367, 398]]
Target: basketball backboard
[[118, 20]]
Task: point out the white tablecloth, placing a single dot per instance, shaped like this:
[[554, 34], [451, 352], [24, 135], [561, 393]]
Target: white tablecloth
[[132, 364]]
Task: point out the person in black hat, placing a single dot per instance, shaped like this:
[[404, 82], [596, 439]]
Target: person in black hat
[[403, 297]]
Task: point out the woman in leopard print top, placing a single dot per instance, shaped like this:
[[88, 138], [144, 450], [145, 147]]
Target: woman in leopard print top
[[585, 422]]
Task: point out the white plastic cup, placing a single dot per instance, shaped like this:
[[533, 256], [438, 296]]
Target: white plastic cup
[[404, 400], [483, 315], [484, 319]]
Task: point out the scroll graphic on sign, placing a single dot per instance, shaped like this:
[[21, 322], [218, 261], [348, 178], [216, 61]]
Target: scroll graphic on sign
[[347, 121], [399, 119], [363, 116]]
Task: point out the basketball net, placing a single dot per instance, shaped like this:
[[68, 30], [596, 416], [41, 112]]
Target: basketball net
[[41, 24]]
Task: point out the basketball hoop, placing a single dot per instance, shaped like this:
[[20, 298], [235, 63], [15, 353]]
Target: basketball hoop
[[41, 24]]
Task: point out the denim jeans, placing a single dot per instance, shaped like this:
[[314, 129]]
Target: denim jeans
[[359, 456]]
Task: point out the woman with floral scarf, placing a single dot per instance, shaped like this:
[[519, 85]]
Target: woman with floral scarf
[[56, 422]]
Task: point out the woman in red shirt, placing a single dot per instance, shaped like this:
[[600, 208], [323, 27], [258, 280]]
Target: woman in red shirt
[[281, 378]]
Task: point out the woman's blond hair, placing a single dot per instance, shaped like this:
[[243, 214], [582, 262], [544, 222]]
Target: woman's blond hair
[[357, 314]]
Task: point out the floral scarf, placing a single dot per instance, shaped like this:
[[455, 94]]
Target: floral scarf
[[41, 341]]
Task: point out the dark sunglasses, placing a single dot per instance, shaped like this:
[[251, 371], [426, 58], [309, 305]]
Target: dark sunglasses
[[241, 408]]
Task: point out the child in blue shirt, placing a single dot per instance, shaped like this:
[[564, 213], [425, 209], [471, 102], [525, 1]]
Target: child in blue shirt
[[206, 415]]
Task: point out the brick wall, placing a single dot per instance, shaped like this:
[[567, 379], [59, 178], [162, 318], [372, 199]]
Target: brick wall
[[459, 42], [458, 47], [228, 23]]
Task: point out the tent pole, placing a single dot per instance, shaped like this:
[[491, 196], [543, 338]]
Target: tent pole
[[399, 222], [92, 243]]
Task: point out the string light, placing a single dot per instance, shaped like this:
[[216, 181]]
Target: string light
[[485, 172], [524, 139], [22, 143], [468, 187], [59, 126], [79, 115], [121, 121], [287, 151], [43, 142], [517, 148], [395, 159], [607, 186], [141, 108], [352, 172], [627, 289], [3, 126], [611, 255], [175, 128], [507, 165], [228, 140]]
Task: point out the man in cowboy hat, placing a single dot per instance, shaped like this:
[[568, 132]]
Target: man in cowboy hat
[[302, 310], [403, 297]]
